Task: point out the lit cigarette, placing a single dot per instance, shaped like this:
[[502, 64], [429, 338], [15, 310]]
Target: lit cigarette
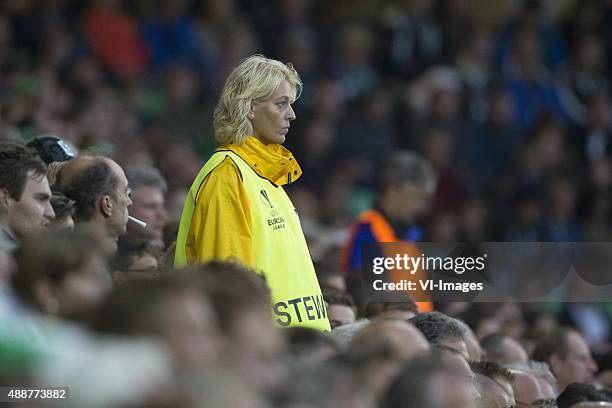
[[136, 221]]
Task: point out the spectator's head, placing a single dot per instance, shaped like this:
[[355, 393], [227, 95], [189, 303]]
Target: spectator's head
[[100, 189], [527, 391], [242, 302], [403, 339], [576, 394], [62, 273], [256, 101], [503, 350], [64, 211], [389, 305], [382, 346], [148, 199], [408, 182], [417, 385], [344, 334], [545, 377], [25, 196], [440, 329], [172, 309], [568, 355], [310, 346], [135, 259], [458, 389], [340, 309], [494, 383]]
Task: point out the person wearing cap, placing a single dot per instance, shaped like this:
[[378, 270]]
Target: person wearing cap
[[25, 196], [237, 208]]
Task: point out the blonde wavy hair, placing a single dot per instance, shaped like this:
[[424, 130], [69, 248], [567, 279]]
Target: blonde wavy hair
[[253, 81]]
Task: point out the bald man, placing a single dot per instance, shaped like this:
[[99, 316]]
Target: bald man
[[503, 350], [383, 346], [526, 387], [100, 190]]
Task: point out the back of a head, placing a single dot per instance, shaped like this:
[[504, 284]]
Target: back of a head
[[438, 327], [400, 340], [577, 393], [409, 167], [232, 289], [136, 307], [17, 163], [254, 80], [414, 387], [85, 179]]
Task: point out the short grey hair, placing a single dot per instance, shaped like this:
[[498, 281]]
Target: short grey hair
[[537, 368], [345, 333], [143, 175], [409, 167]]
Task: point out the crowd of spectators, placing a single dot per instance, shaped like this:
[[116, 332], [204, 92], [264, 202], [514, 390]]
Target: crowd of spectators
[[508, 100]]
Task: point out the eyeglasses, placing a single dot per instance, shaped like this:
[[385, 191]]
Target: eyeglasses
[[541, 403]]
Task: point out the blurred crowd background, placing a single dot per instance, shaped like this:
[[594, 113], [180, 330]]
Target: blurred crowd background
[[509, 100]]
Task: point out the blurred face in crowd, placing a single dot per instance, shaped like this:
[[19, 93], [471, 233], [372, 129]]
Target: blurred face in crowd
[[577, 366], [457, 385], [148, 206], [339, 315], [408, 201], [79, 292], [257, 349], [190, 330], [272, 118], [32, 212]]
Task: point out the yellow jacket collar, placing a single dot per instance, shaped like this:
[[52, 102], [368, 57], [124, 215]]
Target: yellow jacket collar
[[273, 161]]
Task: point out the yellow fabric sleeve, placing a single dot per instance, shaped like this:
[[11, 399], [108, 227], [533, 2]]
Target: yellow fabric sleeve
[[221, 221]]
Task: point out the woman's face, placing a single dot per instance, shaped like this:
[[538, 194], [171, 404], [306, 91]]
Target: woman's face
[[271, 118]]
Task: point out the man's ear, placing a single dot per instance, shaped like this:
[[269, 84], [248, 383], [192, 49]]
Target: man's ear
[[105, 205]]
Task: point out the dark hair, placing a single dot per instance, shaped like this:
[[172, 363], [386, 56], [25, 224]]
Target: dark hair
[[492, 370], [576, 393], [554, 343], [133, 308], [62, 205], [91, 183], [337, 298], [231, 288], [438, 327], [16, 161], [53, 256], [411, 387], [386, 301], [128, 247]]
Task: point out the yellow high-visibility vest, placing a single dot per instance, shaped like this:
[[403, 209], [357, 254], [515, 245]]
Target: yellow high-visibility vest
[[278, 245]]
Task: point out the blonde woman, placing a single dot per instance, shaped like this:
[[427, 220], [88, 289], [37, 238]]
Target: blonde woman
[[237, 209]]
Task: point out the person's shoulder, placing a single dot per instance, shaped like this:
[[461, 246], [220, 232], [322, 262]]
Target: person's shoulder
[[226, 170]]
